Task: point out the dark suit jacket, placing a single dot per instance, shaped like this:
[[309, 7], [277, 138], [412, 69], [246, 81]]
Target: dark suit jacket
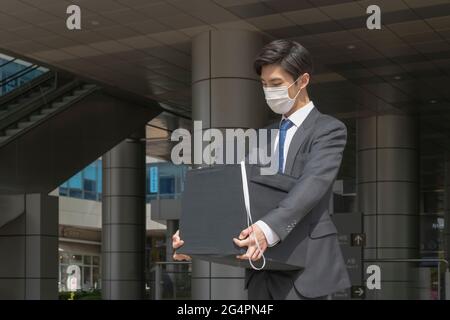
[[314, 158]]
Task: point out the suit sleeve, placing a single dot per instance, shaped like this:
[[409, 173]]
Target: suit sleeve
[[318, 175]]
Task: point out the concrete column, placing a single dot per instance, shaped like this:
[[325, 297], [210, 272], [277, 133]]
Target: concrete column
[[29, 247], [388, 197], [447, 211], [123, 220], [226, 93]]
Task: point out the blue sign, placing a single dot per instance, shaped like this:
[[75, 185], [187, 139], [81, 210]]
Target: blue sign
[[154, 179]]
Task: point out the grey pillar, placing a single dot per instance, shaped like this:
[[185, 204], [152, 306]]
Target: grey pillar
[[388, 197], [226, 93], [29, 247], [447, 210], [123, 220]]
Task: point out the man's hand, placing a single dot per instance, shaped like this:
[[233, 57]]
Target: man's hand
[[246, 239], [177, 243]]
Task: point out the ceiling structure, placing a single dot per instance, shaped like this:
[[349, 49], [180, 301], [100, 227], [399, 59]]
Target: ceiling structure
[[143, 46]]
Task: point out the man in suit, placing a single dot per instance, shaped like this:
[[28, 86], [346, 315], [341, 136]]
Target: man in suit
[[310, 147]]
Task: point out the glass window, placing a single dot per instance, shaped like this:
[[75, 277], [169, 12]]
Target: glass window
[[90, 172], [167, 185], [63, 191], [163, 180], [96, 280], [87, 260], [75, 193], [64, 258], [90, 182], [63, 278], [87, 278], [90, 195], [90, 271], [76, 259], [99, 175], [89, 186], [75, 181]]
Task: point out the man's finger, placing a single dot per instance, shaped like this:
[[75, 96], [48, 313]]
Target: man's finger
[[176, 236], [255, 254], [248, 254], [244, 233], [251, 250], [177, 244], [181, 257], [258, 255], [242, 243]]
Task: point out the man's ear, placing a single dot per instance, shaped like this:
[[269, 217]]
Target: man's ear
[[304, 80]]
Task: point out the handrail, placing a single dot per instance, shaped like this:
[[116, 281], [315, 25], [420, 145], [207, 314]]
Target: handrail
[[53, 95], [409, 260], [28, 86], [157, 269], [18, 74], [33, 105], [8, 62]]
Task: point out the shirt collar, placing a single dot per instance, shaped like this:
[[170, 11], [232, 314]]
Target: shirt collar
[[300, 115]]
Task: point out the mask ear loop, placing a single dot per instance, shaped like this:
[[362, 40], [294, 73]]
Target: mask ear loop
[[298, 89], [249, 214]]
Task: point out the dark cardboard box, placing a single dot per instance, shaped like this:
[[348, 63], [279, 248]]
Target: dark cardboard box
[[213, 212]]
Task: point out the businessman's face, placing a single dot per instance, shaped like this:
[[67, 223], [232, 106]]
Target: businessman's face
[[274, 75]]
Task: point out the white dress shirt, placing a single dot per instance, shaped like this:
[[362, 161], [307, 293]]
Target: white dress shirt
[[297, 119]]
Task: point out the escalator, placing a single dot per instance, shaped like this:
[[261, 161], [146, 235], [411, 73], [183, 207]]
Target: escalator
[[55, 124], [36, 106], [15, 73], [26, 93]]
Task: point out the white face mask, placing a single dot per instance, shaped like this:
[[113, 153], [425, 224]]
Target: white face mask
[[278, 98]]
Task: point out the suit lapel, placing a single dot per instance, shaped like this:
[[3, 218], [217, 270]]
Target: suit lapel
[[299, 137]]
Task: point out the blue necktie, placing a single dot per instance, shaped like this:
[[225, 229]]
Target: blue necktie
[[284, 127]]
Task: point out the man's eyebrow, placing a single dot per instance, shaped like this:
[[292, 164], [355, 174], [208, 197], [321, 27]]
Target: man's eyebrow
[[272, 79]]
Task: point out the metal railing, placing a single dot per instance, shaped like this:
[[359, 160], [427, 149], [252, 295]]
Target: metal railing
[[438, 260], [19, 74], [157, 284], [24, 110], [8, 61], [158, 270], [46, 79]]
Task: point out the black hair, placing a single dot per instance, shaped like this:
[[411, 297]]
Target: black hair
[[290, 55]]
